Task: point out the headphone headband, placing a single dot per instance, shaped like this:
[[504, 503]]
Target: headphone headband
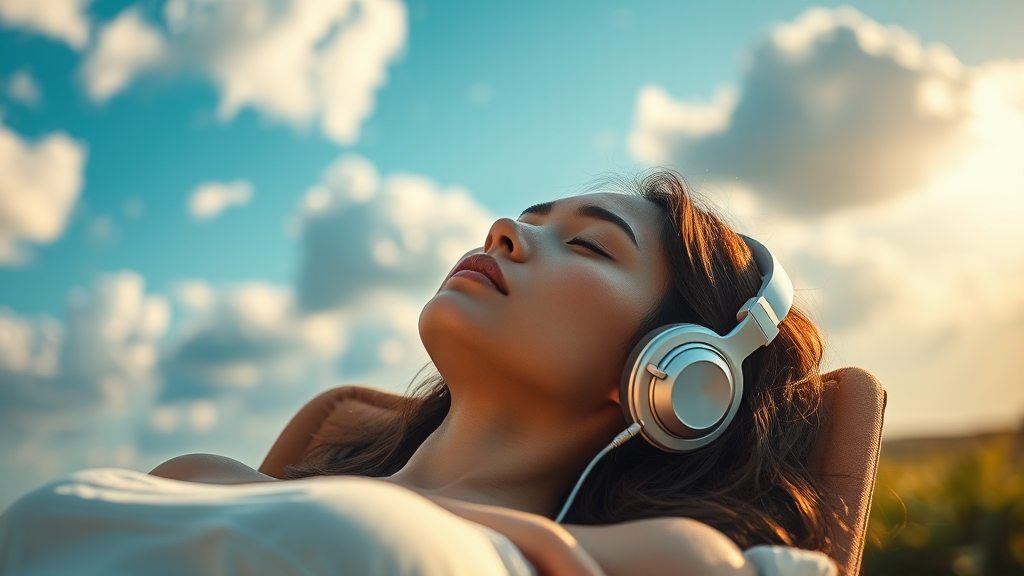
[[776, 288], [769, 307]]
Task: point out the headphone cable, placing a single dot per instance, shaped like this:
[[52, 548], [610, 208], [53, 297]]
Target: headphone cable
[[619, 440]]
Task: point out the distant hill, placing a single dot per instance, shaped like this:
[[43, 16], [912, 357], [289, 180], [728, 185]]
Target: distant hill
[[915, 449], [949, 506]]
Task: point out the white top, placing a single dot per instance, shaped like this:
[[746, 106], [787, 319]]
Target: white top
[[111, 521], [106, 522]]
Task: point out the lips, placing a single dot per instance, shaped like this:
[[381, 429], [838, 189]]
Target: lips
[[483, 269]]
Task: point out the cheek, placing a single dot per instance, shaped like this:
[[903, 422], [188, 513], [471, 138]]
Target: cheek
[[594, 296], [589, 315]]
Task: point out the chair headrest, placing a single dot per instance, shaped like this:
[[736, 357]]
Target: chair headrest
[[323, 420]]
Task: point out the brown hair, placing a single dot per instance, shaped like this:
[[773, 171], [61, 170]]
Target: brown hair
[[753, 483]]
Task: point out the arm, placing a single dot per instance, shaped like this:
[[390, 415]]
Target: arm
[[209, 469], [678, 546], [652, 546], [659, 546], [548, 546]]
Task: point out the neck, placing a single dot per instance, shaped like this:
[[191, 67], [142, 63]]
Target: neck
[[498, 453]]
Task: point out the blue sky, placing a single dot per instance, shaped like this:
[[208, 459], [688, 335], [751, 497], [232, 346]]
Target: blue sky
[[561, 76], [483, 108]]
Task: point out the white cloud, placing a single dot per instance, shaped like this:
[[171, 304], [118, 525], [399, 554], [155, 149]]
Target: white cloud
[[71, 390], [835, 111], [249, 348], [890, 174], [199, 417], [62, 20], [112, 330], [210, 199], [90, 391], [927, 289], [247, 337], [39, 183], [361, 232], [29, 348], [194, 295], [353, 66], [118, 384], [383, 339], [126, 46], [295, 61], [22, 87]]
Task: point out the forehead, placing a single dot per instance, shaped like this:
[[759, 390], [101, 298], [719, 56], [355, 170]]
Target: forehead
[[623, 204], [643, 216]]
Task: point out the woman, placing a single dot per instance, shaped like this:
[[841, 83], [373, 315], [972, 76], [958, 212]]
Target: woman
[[529, 336]]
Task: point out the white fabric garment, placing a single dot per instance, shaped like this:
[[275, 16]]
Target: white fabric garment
[[785, 561], [119, 522]]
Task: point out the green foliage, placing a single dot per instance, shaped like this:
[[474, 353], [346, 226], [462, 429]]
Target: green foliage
[[949, 512]]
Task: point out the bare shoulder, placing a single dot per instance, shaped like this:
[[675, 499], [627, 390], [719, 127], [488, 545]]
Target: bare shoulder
[[209, 469], [680, 546]]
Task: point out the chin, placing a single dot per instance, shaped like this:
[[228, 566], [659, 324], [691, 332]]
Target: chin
[[453, 318], [462, 341]]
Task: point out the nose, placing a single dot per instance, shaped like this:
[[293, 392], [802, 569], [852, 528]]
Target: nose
[[505, 236]]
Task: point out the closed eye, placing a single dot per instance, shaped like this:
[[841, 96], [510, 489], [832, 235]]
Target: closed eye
[[589, 246]]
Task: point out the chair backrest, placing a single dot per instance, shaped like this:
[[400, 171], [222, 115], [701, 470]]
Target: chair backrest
[[323, 419], [845, 458]]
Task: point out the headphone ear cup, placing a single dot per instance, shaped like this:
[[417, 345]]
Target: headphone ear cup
[[631, 361], [683, 384], [695, 393]]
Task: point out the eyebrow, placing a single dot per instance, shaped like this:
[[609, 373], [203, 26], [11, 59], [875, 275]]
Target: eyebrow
[[587, 211]]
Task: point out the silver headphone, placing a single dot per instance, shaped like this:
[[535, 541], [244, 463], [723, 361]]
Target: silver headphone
[[683, 383]]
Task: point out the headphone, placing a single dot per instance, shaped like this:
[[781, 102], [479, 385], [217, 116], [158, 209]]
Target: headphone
[[683, 383]]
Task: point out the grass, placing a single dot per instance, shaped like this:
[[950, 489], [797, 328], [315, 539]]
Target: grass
[[950, 507]]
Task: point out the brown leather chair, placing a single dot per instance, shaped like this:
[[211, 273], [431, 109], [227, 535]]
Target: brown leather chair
[[845, 458]]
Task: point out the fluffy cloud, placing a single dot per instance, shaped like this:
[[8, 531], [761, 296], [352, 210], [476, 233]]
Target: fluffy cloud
[[128, 379], [70, 392], [127, 45], [835, 110], [100, 355], [246, 337], [930, 297], [889, 174], [361, 232], [927, 289], [209, 199], [96, 389], [245, 358], [117, 383], [294, 61], [383, 339], [39, 183], [62, 20], [250, 343]]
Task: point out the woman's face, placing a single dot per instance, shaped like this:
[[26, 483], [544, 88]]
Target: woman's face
[[550, 302]]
